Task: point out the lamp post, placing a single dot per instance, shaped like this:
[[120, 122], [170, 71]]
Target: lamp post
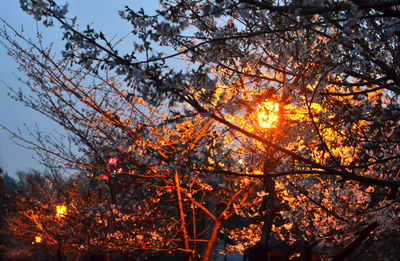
[[37, 241], [61, 211], [268, 116]]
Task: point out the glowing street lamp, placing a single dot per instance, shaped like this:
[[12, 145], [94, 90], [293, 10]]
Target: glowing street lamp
[[61, 211], [38, 239], [268, 114]]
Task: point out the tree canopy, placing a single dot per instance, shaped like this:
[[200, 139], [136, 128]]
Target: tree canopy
[[328, 167]]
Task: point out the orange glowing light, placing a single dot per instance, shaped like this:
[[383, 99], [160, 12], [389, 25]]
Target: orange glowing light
[[61, 211], [38, 239], [268, 114]]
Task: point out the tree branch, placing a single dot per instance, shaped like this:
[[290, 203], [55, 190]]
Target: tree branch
[[349, 248]]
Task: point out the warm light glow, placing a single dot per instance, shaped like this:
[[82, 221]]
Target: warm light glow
[[61, 211], [268, 114], [38, 239]]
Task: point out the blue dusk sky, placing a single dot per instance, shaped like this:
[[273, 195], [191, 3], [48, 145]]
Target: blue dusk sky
[[102, 14]]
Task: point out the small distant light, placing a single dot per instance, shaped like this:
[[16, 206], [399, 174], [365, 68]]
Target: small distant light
[[61, 211], [38, 239]]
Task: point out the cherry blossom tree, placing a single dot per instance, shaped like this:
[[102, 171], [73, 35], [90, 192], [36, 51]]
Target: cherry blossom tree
[[66, 217], [330, 166], [144, 154]]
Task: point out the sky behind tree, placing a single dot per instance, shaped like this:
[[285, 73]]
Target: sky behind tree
[[101, 14]]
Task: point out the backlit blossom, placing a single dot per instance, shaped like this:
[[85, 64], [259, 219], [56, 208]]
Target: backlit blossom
[[113, 161]]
